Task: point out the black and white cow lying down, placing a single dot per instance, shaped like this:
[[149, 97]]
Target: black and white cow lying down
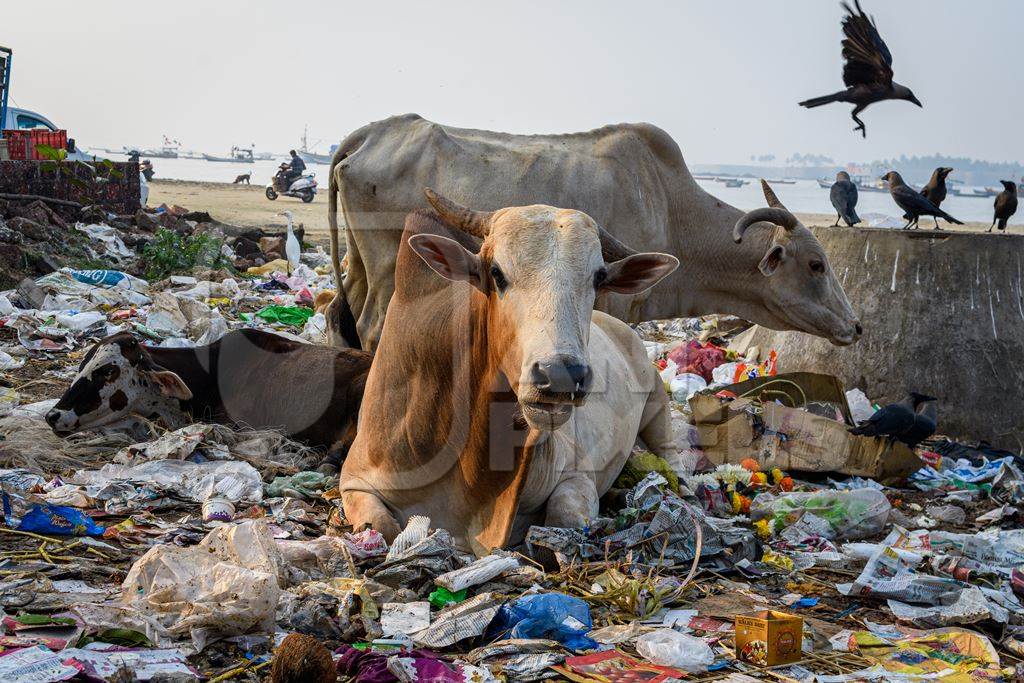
[[248, 377]]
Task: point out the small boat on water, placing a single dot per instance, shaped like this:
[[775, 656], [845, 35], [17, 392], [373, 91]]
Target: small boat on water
[[781, 181], [311, 158], [169, 150], [733, 182], [239, 155]]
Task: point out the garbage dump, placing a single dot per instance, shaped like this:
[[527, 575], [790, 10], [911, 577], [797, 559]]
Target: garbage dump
[[772, 545]]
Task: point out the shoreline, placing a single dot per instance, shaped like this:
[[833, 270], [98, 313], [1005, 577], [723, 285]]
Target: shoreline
[[246, 205]]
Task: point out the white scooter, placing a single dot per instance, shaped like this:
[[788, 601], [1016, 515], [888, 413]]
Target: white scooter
[[303, 187]]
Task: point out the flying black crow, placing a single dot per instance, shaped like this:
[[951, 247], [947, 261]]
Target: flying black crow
[[1006, 204], [892, 420], [913, 203], [867, 73], [844, 198], [925, 420]]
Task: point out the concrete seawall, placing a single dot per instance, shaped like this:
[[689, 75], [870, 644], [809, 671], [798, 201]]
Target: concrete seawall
[[943, 314]]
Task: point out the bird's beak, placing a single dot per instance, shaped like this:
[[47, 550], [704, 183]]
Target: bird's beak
[[916, 101], [884, 177]]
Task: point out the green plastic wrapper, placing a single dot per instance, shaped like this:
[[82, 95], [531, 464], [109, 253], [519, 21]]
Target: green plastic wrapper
[[293, 316], [299, 485], [442, 597]]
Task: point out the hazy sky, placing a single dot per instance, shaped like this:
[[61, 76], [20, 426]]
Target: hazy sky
[[722, 77]]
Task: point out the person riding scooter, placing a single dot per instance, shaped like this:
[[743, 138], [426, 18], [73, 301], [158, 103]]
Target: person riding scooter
[[296, 167]]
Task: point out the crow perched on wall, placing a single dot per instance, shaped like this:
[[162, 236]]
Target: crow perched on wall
[[844, 199], [935, 190], [1006, 204], [867, 73], [913, 203]]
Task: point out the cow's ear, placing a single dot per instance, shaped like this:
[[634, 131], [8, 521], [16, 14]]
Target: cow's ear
[[773, 258], [637, 273], [169, 383], [448, 258]]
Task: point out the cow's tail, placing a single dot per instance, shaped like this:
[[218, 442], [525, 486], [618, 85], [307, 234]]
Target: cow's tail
[[340, 320]]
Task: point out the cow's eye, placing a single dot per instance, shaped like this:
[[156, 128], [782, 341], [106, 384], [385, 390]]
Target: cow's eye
[[817, 267], [600, 277], [499, 278]]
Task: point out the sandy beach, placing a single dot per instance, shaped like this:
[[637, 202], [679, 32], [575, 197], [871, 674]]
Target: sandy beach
[[247, 205]]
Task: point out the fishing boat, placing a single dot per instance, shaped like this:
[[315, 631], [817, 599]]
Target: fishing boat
[[312, 157], [169, 150], [781, 181], [239, 155]]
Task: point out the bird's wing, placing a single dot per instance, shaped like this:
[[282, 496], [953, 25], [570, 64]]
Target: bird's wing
[[838, 196], [908, 198], [868, 60]]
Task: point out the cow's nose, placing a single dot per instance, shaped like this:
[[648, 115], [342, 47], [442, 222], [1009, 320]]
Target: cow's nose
[[561, 375], [52, 417]]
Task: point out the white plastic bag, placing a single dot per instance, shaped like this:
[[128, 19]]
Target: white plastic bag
[[686, 385], [219, 588], [666, 647], [860, 407]]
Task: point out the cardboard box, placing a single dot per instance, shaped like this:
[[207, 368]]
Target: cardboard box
[[769, 638], [787, 436]]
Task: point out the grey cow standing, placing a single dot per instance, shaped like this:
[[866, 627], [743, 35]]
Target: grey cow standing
[[844, 199]]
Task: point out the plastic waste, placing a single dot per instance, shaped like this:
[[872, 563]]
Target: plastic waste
[[299, 485], [850, 515], [547, 615], [54, 519], [860, 406], [686, 385], [225, 586], [667, 647], [292, 316]]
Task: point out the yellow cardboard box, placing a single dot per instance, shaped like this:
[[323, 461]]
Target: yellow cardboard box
[[769, 638]]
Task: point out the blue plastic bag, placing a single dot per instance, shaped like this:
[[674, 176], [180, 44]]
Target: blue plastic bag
[[59, 520], [555, 616], [105, 278]]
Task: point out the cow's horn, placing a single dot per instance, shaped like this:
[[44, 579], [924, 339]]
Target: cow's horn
[[477, 223], [770, 196], [611, 248], [780, 217]]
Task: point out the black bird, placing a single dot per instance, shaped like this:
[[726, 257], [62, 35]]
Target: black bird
[[892, 420], [926, 415], [1006, 204], [867, 72], [895, 420], [844, 198], [935, 190], [913, 203]]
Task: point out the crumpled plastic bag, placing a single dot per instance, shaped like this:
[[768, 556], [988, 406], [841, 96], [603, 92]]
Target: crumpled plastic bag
[[225, 586], [231, 479], [293, 316], [299, 485], [851, 515], [666, 647], [554, 616]]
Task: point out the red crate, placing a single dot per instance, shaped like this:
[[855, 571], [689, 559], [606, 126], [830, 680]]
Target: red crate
[[21, 144]]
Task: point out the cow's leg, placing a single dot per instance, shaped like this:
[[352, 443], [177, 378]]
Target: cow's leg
[[362, 508], [656, 424], [573, 502]]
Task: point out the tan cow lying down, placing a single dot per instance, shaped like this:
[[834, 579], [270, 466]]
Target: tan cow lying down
[[498, 397]]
